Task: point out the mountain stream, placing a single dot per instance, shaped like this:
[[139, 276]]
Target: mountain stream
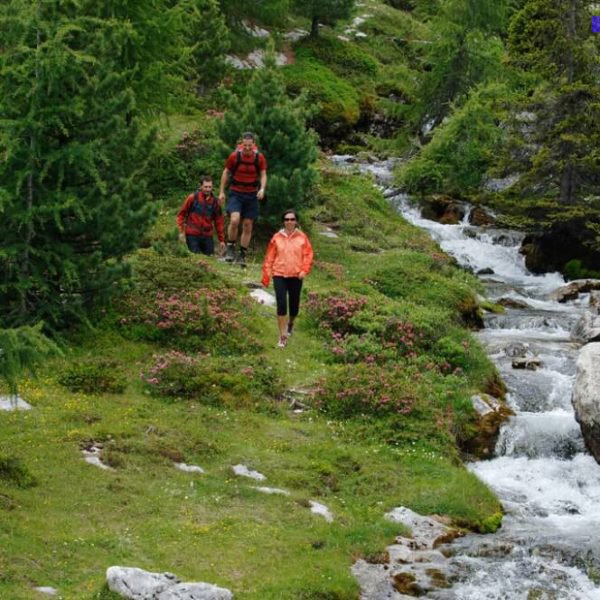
[[548, 547]]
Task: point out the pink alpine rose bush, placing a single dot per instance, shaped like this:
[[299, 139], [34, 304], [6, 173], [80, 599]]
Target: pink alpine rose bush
[[248, 382], [205, 319]]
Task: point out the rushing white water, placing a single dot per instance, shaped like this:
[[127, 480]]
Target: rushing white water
[[549, 544], [550, 489]]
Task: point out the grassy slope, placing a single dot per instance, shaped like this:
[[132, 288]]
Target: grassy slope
[[79, 519]]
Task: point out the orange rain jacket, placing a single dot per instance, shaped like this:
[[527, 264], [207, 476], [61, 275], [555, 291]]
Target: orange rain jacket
[[287, 255]]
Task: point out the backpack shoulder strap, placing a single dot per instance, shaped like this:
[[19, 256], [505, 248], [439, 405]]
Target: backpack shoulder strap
[[238, 161]]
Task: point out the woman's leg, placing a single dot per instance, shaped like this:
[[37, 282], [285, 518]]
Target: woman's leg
[[294, 286], [280, 285]]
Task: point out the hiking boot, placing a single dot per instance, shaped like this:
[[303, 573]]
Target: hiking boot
[[282, 343], [230, 253], [241, 260]]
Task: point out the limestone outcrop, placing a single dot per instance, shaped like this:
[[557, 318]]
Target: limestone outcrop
[[586, 397]]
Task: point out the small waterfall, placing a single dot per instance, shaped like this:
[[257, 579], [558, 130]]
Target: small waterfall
[[549, 545]]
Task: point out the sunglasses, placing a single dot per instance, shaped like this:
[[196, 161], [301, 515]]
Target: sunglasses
[[290, 219]]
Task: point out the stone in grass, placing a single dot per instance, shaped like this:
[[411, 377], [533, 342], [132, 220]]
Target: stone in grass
[[271, 490], [244, 471], [44, 589], [320, 509], [136, 584], [189, 468], [13, 403]]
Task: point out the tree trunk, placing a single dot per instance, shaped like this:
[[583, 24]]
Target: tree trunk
[[314, 27]]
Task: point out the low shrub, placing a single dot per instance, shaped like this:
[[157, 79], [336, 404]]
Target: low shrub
[[367, 389], [344, 58], [337, 101], [206, 319], [14, 472], [97, 377], [243, 383]]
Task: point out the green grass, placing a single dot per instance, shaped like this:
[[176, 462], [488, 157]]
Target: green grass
[[63, 521]]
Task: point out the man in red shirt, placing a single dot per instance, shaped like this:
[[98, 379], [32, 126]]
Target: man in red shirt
[[198, 215], [246, 172]]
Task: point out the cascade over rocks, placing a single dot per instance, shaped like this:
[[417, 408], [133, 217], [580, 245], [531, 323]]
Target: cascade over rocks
[[137, 584], [586, 397]]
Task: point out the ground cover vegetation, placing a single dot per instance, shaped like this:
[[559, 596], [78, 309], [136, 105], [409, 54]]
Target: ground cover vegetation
[[159, 358]]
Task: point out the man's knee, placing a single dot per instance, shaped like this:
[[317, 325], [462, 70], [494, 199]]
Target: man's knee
[[247, 225], [234, 219]]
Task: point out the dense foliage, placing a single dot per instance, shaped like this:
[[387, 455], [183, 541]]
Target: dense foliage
[[280, 126]]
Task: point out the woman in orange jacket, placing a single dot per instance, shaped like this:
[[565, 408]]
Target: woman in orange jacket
[[288, 260]]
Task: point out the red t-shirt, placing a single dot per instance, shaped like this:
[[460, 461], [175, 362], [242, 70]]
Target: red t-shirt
[[245, 179]]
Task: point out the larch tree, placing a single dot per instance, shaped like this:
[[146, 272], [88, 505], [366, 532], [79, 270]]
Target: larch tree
[[280, 126], [73, 152], [553, 39], [466, 50]]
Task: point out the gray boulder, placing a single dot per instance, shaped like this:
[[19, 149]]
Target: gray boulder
[[587, 328], [586, 397], [137, 584]]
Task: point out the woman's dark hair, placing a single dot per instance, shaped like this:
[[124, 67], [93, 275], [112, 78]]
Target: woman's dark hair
[[287, 212]]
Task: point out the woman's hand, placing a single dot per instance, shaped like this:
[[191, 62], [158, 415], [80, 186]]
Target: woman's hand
[[301, 275], [265, 280]]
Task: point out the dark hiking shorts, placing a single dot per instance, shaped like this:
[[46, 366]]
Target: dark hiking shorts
[[245, 204]]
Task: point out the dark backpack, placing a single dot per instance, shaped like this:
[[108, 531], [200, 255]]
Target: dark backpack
[[238, 162], [202, 208]]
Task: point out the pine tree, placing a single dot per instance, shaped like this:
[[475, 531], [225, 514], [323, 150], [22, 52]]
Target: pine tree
[[280, 126], [323, 12], [72, 190], [209, 38], [553, 39]]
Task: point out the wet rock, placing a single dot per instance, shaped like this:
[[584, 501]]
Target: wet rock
[[587, 328], [486, 271], [512, 303], [595, 302], [442, 209], [491, 412], [586, 397], [531, 364], [137, 584], [518, 349], [572, 290], [480, 217]]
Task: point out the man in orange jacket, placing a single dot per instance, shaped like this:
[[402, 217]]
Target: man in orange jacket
[[288, 261]]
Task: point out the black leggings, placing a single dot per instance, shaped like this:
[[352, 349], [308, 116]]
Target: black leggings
[[284, 287]]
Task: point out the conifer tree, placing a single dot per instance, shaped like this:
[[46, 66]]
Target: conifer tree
[[553, 39], [323, 12], [72, 192], [465, 52], [280, 126], [209, 38]]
